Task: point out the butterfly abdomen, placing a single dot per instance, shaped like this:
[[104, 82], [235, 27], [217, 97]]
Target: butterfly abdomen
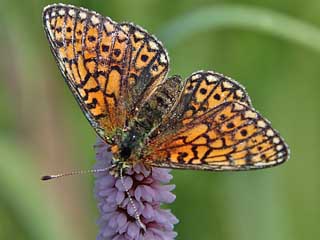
[[158, 106]]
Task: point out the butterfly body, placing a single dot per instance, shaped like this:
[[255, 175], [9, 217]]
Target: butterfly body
[[131, 140], [118, 75]]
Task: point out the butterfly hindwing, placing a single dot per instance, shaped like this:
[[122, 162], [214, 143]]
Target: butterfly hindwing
[[228, 135]]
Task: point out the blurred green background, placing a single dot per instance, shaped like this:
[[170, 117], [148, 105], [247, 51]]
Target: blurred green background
[[42, 129]]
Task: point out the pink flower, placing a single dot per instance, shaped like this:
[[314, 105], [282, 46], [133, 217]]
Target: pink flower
[[148, 188]]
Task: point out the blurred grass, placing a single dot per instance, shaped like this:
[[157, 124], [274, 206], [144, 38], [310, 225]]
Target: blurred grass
[[240, 16], [42, 128], [25, 195]]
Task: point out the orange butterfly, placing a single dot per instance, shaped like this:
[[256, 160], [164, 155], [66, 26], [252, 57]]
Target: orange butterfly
[[118, 74]]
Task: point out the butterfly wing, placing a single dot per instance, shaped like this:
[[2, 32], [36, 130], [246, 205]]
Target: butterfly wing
[[202, 92], [105, 64], [148, 67], [226, 134]]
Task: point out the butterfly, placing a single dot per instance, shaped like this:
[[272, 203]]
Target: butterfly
[[118, 75]]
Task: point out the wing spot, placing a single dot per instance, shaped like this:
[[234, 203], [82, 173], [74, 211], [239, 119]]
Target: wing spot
[[250, 114], [105, 48], [91, 38], [153, 45], [222, 117], [212, 78], [138, 34], [69, 29], [61, 12], [239, 93], [95, 20], [269, 133], [144, 58], [163, 58], [117, 52], [217, 96], [230, 125], [203, 91], [109, 27], [196, 76], [227, 85], [243, 132], [181, 156], [237, 106], [263, 156], [82, 15], [71, 12], [261, 124], [279, 147], [260, 148], [125, 28], [280, 160], [276, 140], [58, 29]]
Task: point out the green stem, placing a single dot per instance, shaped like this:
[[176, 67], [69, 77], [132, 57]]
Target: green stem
[[223, 16]]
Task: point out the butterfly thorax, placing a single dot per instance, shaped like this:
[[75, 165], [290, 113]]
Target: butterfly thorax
[[128, 143]]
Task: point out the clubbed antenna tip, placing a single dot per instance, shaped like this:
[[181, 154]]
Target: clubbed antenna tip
[[45, 178]]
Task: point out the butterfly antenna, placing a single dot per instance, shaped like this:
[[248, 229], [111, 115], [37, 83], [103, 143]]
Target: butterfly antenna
[[136, 215], [79, 172]]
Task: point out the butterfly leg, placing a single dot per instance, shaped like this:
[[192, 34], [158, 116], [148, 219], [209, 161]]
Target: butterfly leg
[[118, 171], [136, 214]]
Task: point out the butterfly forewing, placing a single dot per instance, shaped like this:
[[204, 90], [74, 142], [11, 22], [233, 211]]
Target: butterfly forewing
[[203, 91], [92, 53], [148, 67], [110, 68]]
